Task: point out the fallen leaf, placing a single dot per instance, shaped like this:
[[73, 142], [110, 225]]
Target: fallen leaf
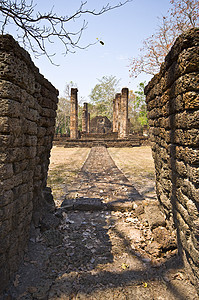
[[34, 262], [125, 266], [145, 284]]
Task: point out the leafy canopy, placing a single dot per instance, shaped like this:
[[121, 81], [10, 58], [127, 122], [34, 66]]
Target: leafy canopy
[[102, 96], [183, 15]]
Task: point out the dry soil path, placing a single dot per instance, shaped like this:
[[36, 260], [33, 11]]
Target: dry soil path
[[100, 245]]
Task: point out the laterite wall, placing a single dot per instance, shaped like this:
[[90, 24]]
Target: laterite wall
[[28, 105], [173, 111]]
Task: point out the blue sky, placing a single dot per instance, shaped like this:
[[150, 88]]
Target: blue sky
[[122, 30]]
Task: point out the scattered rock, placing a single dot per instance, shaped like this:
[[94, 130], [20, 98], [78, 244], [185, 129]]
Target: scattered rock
[[52, 237], [166, 239], [49, 221], [31, 289], [153, 249], [154, 215]]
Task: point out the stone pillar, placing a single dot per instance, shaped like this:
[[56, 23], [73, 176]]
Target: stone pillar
[[129, 126], [74, 114], [117, 111], [123, 132], [85, 118], [114, 116], [89, 120]]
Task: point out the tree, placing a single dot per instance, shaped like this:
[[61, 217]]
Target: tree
[[63, 111], [38, 30], [137, 108], [182, 15], [102, 96]]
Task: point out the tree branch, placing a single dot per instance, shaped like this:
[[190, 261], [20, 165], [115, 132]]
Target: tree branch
[[41, 29]]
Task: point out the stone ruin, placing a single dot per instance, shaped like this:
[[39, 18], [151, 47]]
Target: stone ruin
[[100, 124], [74, 114], [100, 129], [85, 119], [28, 104], [173, 110]]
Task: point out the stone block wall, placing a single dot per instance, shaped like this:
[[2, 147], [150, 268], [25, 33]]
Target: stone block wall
[[28, 105], [173, 111]]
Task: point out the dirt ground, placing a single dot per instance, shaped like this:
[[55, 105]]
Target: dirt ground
[[136, 163], [138, 166], [65, 163], [107, 238]]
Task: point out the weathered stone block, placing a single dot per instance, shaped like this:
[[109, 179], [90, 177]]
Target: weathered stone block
[[189, 189], [6, 212], [21, 189], [6, 171], [4, 125], [41, 131], [186, 137], [8, 90], [30, 140], [10, 108], [12, 182], [154, 216], [192, 210], [171, 75], [191, 100], [181, 168], [186, 83], [193, 174], [189, 155], [188, 60], [30, 152], [6, 198]]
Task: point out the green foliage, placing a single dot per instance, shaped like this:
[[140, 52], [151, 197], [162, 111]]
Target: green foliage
[[137, 109], [102, 96]]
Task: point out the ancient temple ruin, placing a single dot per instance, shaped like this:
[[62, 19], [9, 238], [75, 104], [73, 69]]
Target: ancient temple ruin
[[101, 124], [100, 129]]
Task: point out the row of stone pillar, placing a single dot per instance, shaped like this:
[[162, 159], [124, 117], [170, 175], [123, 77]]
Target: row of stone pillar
[[120, 113], [74, 116]]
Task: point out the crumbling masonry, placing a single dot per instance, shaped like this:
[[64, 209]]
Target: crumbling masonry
[[28, 104], [173, 105], [120, 114]]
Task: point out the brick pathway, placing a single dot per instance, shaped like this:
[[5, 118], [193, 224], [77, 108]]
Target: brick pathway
[[101, 185], [102, 246]]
